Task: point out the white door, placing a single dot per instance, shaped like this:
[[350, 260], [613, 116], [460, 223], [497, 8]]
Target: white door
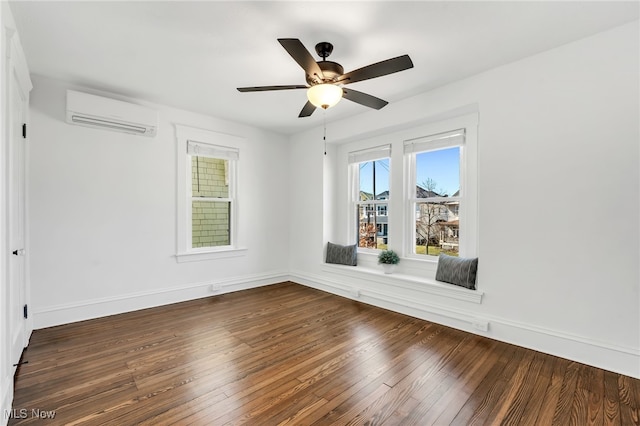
[[16, 217]]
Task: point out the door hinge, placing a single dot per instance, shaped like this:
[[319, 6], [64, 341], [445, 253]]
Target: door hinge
[[24, 130], [25, 311]]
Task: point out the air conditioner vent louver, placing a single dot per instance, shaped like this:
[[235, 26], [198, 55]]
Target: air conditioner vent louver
[[88, 110]]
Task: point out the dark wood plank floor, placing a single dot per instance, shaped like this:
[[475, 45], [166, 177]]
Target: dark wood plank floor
[[290, 355]]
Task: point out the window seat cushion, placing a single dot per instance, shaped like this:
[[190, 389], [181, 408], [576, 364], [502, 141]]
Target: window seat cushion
[[457, 270], [342, 255]]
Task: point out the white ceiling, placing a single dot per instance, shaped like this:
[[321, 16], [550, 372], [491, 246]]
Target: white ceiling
[[193, 55]]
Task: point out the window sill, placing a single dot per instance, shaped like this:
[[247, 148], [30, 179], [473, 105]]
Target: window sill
[[411, 282], [197, 256]]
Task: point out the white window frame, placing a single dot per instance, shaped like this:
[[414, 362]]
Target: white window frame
[[193, 141], [355, 158], [468, 207]]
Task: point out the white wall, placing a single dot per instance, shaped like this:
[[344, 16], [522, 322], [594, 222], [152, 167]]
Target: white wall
[[558, 201], [103, 214]]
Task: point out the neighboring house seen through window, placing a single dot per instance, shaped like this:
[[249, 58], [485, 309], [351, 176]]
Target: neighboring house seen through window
[[440, 210], [435, 169], [370, 196]]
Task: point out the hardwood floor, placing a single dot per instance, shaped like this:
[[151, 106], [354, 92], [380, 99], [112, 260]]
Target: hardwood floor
[[290, 355]]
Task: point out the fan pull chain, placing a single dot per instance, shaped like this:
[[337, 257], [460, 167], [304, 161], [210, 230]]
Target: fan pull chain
[[324, 125]]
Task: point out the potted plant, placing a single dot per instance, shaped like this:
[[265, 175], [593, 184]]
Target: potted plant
[[388, 259]]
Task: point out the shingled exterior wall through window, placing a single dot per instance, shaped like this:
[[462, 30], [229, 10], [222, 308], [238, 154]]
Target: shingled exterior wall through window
[[210, 218]]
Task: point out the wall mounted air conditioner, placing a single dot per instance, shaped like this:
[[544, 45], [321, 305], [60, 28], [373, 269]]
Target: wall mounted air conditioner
[[88, 110]]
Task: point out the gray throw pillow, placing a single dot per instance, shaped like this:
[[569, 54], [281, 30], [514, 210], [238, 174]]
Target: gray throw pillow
[[457, 270], [342, 255]]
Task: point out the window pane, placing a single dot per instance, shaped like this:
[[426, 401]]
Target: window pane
[[437, 228], [374, 179], [210, 223], [209, 177], [373, 229], [438, 173]]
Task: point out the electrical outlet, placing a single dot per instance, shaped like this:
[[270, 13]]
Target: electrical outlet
[[215, 287], [480, 324]]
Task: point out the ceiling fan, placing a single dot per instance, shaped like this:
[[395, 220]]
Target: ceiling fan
[[326, 79]]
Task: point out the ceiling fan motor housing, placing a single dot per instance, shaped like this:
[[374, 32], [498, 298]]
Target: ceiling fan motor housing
[[330, 72]]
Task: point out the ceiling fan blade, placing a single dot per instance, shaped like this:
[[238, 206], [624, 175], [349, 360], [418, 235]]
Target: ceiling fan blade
[[265, 88], [307, 110], [363, 98], [378, 69], [301, 55]]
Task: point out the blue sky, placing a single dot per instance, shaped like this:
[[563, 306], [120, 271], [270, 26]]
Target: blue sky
[[382, 176], [442, 166]]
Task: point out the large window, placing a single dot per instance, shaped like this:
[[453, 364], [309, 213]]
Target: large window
[[370, 170], [416, 194], [207, 203], [437, 193]]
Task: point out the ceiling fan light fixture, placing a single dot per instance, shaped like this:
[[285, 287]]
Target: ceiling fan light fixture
[[324, 95]]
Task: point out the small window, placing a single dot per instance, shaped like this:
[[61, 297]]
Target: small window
[[207, 210], [210, 202]]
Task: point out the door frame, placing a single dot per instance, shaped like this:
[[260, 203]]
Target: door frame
[[17, 110], [13, 63], [17, 66]]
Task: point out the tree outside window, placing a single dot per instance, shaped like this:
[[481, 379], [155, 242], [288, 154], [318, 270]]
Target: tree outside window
[[437, 202]]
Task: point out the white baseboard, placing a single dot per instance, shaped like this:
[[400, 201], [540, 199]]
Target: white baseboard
[[619, 359], [101, 307]]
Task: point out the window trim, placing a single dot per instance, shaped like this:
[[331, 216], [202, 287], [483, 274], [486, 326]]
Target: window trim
[[218, 142]]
